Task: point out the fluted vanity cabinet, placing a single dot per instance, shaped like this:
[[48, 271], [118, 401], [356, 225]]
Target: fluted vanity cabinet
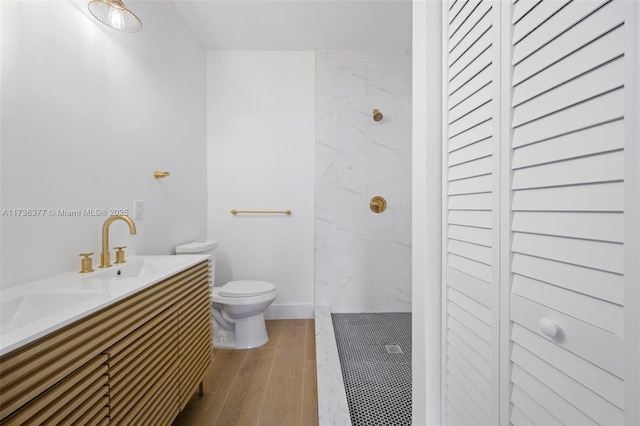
[[194, 340], [143, 369], [80, 398], [137, 361]]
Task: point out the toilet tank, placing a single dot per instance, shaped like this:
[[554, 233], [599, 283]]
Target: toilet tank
[[201, 247]]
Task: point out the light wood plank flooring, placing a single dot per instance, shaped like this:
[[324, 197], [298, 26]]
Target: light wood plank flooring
[[274, 384]]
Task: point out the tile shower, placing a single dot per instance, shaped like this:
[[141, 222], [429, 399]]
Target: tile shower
[[363, 259]]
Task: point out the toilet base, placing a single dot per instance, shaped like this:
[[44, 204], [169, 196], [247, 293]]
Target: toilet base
[[248, 333]]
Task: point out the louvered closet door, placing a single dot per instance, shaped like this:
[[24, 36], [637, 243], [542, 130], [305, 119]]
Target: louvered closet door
[[567, 226], [470, 351]]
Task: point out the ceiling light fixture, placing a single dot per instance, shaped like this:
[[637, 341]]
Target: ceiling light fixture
[[115, 14]]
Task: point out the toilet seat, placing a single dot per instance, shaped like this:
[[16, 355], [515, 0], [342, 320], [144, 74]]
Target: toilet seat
[[246, 288]]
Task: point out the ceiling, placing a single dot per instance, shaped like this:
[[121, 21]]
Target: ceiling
[[299, 24]]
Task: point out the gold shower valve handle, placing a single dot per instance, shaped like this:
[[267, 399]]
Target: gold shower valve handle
[[377, 115], [120, 254], [86, 264], [378, 204]]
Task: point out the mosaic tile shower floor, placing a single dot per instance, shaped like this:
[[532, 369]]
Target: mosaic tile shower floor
[[378, 383]]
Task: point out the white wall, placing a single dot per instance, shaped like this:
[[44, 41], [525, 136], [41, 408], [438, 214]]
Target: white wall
[[260, 157], [88, 113], [363, 259], [633, 200], [427, 212]]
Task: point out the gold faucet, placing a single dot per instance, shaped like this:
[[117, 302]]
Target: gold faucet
[[105, 257]]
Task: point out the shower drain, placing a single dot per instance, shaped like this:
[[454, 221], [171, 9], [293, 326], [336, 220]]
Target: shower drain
[[393, 349]]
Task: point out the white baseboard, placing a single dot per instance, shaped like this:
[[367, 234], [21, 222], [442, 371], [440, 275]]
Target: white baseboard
[[289, 311]]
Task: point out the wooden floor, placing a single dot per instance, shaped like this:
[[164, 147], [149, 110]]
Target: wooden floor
[[274, 384]]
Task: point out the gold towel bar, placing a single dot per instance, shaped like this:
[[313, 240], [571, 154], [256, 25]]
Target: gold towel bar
[[234, 211]]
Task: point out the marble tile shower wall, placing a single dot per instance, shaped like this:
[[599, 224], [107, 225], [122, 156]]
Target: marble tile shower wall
[[363, 259]]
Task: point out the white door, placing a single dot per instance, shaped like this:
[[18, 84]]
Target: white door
[[568, 117], [540, 320], [471, 228]]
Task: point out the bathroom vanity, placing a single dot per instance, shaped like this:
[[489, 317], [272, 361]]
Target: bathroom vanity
[[133, 350]]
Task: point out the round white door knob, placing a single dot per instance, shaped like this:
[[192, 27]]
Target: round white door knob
[[549, 328]]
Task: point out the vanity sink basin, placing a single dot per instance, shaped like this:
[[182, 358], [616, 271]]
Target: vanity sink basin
[[138, 268], [25, 309], [131, 269]]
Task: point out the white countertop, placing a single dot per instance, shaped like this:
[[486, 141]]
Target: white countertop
[[33, 310]]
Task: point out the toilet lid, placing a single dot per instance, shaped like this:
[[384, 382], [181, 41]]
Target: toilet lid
[[246, 288]]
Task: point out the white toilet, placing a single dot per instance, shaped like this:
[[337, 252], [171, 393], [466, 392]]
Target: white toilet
[[238, 306]]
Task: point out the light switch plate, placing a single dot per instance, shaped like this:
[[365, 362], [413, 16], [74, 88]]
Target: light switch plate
[[137, 209]]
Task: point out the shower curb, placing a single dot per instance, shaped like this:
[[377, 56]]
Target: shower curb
[[333, 408]]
